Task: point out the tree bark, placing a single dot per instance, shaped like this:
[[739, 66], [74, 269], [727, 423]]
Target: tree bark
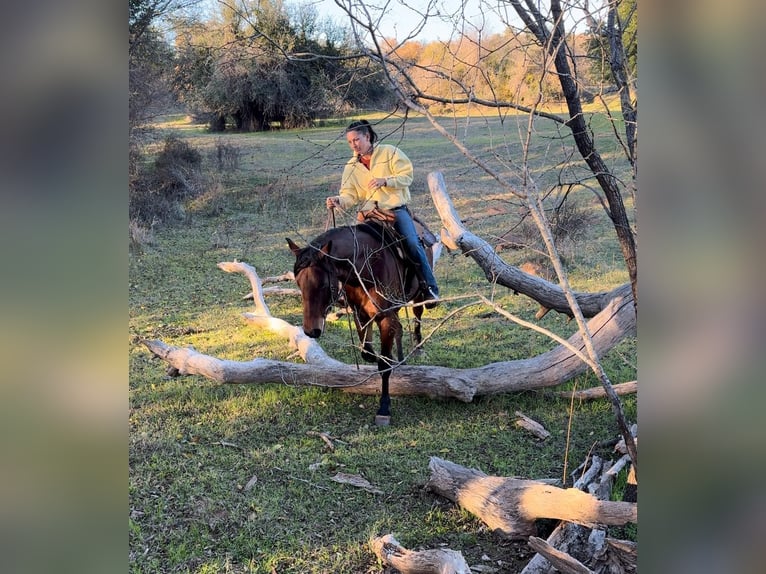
[[510, 506], [439, 561]]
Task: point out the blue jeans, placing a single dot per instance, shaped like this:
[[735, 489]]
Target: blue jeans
[[406, 227]]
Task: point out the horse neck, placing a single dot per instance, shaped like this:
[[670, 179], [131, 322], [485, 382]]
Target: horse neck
[[350, 251]]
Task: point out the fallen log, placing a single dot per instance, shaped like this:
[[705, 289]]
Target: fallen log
[[438, 561], [545, 370], [510, 506]]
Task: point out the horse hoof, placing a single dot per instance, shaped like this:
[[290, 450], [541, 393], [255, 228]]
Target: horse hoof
[[382, 420]]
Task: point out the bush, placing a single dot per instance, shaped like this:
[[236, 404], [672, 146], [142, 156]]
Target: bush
[[177, 170], [156, 191]]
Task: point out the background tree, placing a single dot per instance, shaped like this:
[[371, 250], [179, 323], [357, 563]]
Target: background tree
[[262, 63], [150, 57]]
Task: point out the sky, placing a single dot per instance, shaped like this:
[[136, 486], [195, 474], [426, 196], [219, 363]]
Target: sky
[[401, 18]]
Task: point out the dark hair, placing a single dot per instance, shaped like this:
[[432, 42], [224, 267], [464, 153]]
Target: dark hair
[[361, 126]]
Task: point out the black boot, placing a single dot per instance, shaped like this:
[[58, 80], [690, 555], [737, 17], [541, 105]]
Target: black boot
[[430, 294]]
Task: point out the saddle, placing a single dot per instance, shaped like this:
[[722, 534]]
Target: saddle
[[380, 223]]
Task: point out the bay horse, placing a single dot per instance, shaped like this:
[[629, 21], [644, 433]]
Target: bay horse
[[355, 261]]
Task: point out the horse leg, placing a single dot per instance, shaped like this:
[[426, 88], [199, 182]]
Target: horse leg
[[418, 312], [388, 327], [383, 416], [364, 329], [398, 340]]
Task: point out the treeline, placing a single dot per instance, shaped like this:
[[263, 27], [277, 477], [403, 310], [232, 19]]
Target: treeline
[[254, 65]]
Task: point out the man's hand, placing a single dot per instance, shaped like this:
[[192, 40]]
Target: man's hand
[[333, 201]]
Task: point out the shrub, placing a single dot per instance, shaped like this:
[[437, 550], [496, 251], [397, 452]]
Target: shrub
[[177, 170], [157, 190]]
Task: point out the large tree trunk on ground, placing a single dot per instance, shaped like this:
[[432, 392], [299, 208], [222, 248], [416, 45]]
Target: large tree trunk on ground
[[439, 561], [510, 506], [554, 367]]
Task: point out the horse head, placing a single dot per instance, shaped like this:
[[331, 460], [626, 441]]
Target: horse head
[[318, 281]]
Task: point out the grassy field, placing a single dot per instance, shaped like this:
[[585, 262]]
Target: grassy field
[[229, 478]]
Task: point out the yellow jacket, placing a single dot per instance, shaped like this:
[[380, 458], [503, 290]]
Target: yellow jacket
[[388, 162]]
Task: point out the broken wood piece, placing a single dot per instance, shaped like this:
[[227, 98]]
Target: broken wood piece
[[562, 561], [589, 475], [623, 551], [630, 494], [620, 446], [437, 561], [289, 276], [628, 388], [510, 506], [615, 469], [542, 312], [532, 426], [563, 536]]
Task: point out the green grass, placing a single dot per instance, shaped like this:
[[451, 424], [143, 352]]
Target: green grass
[[195, 445]]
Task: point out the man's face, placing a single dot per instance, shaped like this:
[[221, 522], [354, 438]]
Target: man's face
[[359, 142]]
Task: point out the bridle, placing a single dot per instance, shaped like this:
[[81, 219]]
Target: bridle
[[331, 273]]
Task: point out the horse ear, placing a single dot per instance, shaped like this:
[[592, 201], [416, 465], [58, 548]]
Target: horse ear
[[325, 249], [293, 247]]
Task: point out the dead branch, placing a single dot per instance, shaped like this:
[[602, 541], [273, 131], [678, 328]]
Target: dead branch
[[547, 294], [548, 369], [562, 561], [628, 388]]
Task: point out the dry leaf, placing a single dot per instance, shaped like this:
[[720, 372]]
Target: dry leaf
[[251, 483]]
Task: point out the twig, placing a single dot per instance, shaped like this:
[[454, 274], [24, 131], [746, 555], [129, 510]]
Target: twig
[[324, 436], [290, 476]]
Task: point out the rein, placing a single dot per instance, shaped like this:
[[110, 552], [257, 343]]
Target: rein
[[330, 218], [335, 292]]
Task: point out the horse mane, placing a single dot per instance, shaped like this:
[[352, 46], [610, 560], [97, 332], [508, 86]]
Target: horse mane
[[331, 234]]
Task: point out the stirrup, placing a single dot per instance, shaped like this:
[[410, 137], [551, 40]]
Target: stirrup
[[432, 296]]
